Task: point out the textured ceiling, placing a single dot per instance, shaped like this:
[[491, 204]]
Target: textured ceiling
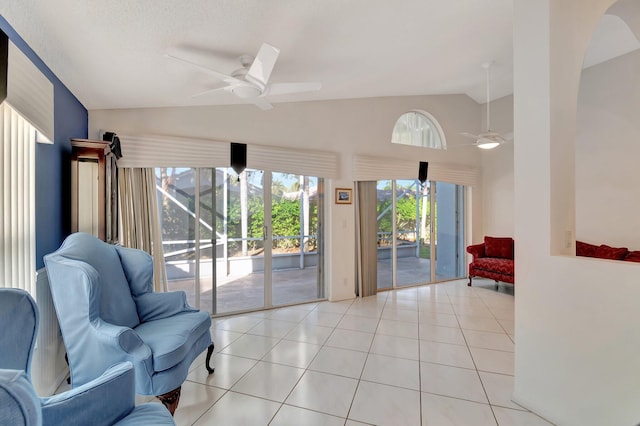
[[111, 54]]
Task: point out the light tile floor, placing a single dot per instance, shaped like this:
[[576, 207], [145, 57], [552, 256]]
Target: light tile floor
[[440, 354]]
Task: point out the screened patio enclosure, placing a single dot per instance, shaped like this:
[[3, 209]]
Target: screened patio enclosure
[[241, 242]]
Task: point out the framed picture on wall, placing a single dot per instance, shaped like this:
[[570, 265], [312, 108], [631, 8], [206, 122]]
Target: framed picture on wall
[[343, 195]]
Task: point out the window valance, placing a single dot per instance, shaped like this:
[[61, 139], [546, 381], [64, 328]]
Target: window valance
[[27, 90], [376, 168], [171, 151]]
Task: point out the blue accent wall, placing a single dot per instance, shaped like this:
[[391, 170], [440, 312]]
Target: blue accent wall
[[53, 172]]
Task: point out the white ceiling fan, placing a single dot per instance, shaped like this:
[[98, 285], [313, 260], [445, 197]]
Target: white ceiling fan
[[251, 81], [489, 139]]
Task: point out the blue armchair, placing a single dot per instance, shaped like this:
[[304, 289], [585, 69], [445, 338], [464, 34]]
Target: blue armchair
[[19, 316], [107, 400], [108, 313]]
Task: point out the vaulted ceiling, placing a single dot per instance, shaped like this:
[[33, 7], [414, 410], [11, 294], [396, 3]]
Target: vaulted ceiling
[[112, 54]]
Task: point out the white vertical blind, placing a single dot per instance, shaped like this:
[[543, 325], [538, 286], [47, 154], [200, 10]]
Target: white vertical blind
[[17, 201], [29, 92]]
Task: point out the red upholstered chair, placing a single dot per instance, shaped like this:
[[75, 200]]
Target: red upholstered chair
[[493, 259]]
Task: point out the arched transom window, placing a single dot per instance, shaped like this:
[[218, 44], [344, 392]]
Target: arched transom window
[[418, 128]]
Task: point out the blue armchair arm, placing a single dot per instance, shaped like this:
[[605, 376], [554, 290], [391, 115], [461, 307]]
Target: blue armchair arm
[[161, 305], [19, 404], [102, 401], [121, 339], [107, 400]]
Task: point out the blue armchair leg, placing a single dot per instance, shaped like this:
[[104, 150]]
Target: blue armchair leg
[[208, 363], [171, 399], [66, 358]]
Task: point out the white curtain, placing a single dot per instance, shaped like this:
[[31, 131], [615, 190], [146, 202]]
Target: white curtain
[[140, 220], [366, 238], [17, 201]]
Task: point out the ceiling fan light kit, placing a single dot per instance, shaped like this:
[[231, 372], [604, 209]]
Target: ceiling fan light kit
[[246, 92], [487, 144]]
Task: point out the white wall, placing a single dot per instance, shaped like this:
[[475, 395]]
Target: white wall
[[497, 173], [607, 153], [349, 127], [576, 323]]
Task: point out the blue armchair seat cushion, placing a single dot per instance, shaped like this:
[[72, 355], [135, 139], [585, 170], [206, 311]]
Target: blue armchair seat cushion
[[170, 339]]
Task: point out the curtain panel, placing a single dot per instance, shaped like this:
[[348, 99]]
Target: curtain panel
[[140, 219], [366, 238]]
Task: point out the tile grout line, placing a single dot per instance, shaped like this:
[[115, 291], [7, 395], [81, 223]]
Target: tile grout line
[[366, 359], [246, 333], [422, 415], [261, 359], [484, 389], [307, 367]]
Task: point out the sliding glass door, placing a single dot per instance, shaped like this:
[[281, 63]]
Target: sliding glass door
[[296, 203], [413, 240], [449, 232], [386, 227], [241, 249], [414, 245], [184, 221], [262, 229]]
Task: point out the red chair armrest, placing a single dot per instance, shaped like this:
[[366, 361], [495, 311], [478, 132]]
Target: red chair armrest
[[477, 250]]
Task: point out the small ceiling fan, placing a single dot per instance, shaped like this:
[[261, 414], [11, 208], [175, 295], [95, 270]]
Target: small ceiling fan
[[489, 139], [251, 81]]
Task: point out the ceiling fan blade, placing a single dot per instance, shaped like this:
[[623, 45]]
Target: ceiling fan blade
[[262, 66], [261, 103], [285, 88], [224, 77], [470, 135], [216, 88], [487, 140]]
